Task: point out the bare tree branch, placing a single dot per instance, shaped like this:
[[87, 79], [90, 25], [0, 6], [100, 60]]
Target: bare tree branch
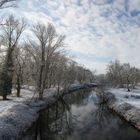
[[7, 3]]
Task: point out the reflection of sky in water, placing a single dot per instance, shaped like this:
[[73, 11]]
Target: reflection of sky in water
[[95, 122], [84, 112], [82, 119]]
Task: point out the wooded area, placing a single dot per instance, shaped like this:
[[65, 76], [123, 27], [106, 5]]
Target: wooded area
[[40, 61]]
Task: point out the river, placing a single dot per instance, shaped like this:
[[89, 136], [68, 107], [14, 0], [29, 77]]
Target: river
[[80, 116]]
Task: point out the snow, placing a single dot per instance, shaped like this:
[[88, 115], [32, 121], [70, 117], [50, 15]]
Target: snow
[[13, 100], [124, 103], [18, 113], [132, 97], [26, 96]]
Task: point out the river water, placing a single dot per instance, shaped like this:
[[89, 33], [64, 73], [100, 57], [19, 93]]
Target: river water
[[80, 116]]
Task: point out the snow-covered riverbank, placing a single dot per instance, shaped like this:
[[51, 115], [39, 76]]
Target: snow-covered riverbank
[[126, 104], [18, 113]]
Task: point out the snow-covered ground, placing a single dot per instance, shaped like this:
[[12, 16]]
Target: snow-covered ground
[[126, 104], [18, 113], [132, 97], [26, 96], [13, 100]]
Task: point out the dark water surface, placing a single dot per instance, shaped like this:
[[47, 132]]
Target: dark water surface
[[80, 117]]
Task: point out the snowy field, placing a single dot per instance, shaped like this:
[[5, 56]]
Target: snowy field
[[18, 113], [132, 97], [126, 104], [13, 100], [26, 96]]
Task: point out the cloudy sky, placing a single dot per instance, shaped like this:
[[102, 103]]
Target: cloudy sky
[[97, 31]]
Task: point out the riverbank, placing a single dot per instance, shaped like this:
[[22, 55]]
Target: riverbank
[[19, 113], [126, 104]]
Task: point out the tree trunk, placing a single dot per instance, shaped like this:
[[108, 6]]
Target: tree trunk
[[18, 91], [40, 81], [133, 85], [4, 97], [18, 87], [40, 95], [128, 89], [58, 90]]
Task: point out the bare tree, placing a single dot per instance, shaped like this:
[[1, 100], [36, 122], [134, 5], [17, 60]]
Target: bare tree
[[7, 3], [115, 73], [59, 70], [135, 76], [20, 66], [10, 36], [42, 51], [64, 72], [127, 75], [123, 75]]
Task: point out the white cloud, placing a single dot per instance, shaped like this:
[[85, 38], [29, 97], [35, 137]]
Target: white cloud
[[93, 65], [134, 5], [102, 28]]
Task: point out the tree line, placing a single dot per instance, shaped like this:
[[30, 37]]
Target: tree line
[[39, 61], [122, 75]]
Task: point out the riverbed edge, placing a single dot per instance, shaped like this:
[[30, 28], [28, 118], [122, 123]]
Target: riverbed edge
[[21, 117], [125, 110]]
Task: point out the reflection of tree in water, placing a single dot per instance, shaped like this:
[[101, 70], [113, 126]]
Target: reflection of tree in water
[[78, 98], [102, 115], [80, 117], [108, 126], [56, 120]]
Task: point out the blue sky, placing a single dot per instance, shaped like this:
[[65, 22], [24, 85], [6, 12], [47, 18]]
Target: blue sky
[[97, 31]]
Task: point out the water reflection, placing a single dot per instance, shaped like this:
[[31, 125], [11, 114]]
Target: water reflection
[[79, 116]]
